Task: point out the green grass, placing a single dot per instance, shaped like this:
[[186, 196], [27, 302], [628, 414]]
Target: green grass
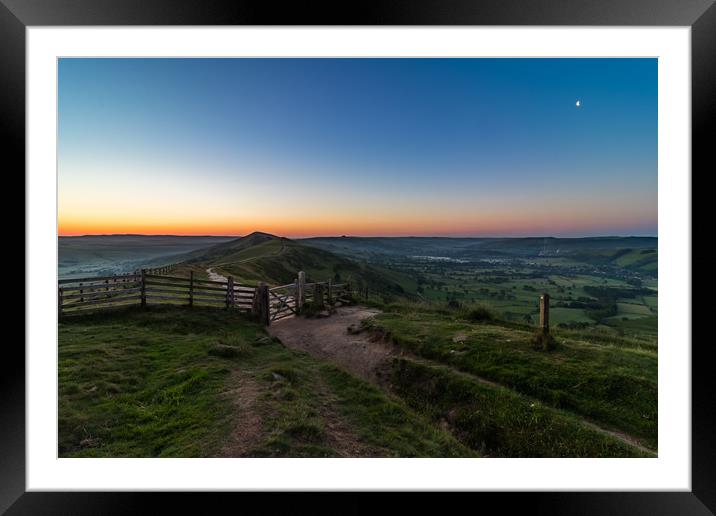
[[153, 383], [633, 309], [563, 315], [611, 381], [308, 396], [651, 302], [278, 261], [498, 422]]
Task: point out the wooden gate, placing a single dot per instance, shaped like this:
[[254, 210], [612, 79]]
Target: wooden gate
[[282, 302]]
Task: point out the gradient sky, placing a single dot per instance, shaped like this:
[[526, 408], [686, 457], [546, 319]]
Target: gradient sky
[[307, 147]]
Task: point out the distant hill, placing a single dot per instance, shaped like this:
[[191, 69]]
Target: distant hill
[[232, 250], [551, 246], [474, 247], [641, 260], [277, 260], [633, 253]]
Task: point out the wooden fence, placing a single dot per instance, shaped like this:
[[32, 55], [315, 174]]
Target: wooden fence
[[165, 269], [267, 304]]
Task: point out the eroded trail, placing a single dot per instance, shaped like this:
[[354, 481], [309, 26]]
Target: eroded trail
[[215, 276], [246, 423], [369, 356], [328, 339]]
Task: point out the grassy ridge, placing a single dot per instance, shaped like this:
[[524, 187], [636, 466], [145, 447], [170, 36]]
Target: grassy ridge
[[158, 383], [615, 386], [277, 261], [498, 422]]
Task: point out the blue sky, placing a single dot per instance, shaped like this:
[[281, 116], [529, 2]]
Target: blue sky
[[470, 147]]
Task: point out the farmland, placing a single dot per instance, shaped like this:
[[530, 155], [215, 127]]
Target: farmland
[[614, 287]]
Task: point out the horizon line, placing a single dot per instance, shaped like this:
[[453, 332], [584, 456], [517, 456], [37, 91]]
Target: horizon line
[[348, 236]]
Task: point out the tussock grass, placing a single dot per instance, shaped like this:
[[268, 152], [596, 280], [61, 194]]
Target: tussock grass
[[498, 422], [613, 385]]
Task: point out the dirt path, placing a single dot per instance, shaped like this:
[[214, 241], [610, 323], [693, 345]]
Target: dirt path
[[246, 431], [328, 339], [214, 276], [340, 436], [368, 355], [622, 436]]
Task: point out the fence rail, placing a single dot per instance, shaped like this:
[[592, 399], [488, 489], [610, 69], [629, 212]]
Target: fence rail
[[78, 295]]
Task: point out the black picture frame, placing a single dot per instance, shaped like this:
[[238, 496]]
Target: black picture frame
[[700, 15]]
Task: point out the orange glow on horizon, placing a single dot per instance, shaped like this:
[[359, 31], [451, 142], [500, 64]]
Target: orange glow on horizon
[[397, 226]]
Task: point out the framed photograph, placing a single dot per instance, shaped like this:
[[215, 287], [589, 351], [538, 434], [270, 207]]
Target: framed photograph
[[413, 249]]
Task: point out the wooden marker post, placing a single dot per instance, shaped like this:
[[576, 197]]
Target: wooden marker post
[[544, 313], [191, 288]]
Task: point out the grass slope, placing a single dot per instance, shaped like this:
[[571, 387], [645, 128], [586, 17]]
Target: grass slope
[[148, 383], [498, 422], [276, 261], [604, 378]]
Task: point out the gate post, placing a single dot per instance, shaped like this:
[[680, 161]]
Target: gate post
[[255, 304], [544, 313], [295, 296], [301, 296], [330, 292], [264, 316]]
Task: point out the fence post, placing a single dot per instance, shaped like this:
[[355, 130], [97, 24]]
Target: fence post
[[59, 302], [81, 292], [230, 292], [330, 292], [301, 298], [143, 289], [544, 313], [318, 296], [295, 295], [260, 307], [191, 288]]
